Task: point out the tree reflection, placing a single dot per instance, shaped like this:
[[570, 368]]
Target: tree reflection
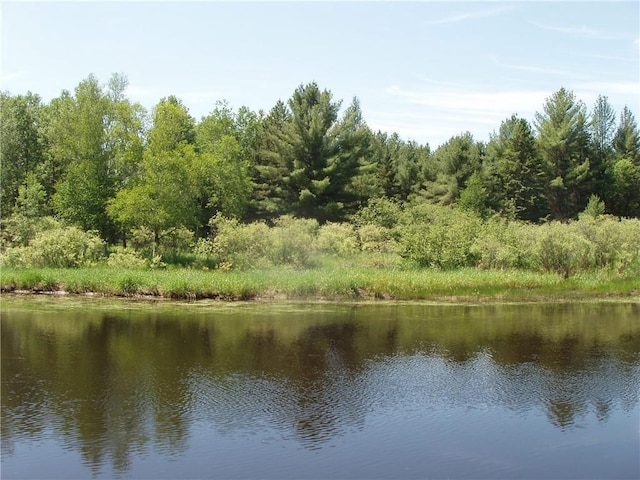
[[114, 385]]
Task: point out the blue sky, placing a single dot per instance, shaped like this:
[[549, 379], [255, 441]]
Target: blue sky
[[427, 70]]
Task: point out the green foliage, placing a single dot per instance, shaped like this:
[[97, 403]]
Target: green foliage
[[62, 247], [309, 156], [376, 238], [162, 197], [236, 245], [504, 244], [337, 239], [379, 211], [173, 127], [456, 161], [517, 172], [28, 217], [438, 237], [559, 248], [292, 241], [95, 140], [21, 144], [564, 143], [626, 141], [474, 195], [222, 179], [128, 258], [595, 207], [624, 193]]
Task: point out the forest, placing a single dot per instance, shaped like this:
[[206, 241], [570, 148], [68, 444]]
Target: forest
[[91, 177]]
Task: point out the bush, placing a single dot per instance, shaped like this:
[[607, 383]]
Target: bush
[[236, 245], [337, 239], [142, 241], [18, 230], [62, 247], [504, 244], [562, 249], [379, 211], [125, 258], [439, 237], [614, 242], [292, 241], [375, 238]]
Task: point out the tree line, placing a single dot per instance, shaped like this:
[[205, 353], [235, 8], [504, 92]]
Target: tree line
[[96, 160]]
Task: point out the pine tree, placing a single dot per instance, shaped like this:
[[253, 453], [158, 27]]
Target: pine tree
[[563, 139]]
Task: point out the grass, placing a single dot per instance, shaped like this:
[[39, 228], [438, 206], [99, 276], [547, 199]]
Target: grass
[[331, 281]]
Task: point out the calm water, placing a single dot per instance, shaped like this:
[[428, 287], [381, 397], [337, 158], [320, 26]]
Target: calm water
[[102, 389]]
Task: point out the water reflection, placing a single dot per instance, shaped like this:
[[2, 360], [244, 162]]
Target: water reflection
[[115, 386]]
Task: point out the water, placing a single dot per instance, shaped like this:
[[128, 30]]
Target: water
[[105, 389]]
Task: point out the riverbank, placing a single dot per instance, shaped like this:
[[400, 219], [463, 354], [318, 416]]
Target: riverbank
[[319, 284]]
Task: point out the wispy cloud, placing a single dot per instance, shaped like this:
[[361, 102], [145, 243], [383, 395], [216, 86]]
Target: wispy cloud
[[544, 70], [582, 32], [441, 111], [624, 93], [480, 105], [472, 15], [9, 77]]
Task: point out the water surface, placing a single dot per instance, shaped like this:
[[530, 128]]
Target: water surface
[[106, 389]]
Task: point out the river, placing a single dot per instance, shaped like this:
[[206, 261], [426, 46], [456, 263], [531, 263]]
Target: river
[[95, 388]]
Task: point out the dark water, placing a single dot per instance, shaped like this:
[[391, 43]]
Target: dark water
[[103, 389]]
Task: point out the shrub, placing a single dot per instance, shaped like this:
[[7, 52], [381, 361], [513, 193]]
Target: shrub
[[439, 237], [379, 211], [375, 238], [236, 245], [125, 258], [337, 239], [292, 241], [561, 248], [503, 244], [615, 241], [18, 230], [61, 247], [142, 241]]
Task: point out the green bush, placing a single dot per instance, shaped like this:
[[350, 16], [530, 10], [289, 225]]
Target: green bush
[[379, 211], [615, 241], [62, 247], [125, 258], [376, 238], [337, 239], [292, 241], [503, 244], [561, 248], [18, 230], [237, 245], [439, 237]]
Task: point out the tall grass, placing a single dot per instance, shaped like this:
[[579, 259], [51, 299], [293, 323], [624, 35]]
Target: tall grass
[[329, 282]]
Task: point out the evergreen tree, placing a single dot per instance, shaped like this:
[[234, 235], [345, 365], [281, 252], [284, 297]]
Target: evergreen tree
[[602, 128], [624, 170], [316, 153], [518, 177], [452, 164], [626, 141], [268, 198], [563, 138]]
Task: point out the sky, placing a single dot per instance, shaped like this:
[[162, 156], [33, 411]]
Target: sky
[[426, 70]]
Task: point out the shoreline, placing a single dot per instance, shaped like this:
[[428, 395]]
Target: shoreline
[[560, 297], [347, 285]]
